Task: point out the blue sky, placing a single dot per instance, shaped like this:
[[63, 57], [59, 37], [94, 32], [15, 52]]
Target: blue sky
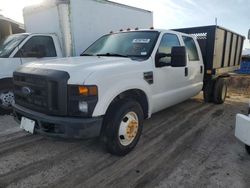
[[232, 14]]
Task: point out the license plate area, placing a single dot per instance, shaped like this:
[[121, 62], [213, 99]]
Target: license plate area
[[27, 125]]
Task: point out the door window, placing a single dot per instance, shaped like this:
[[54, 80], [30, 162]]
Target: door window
[[167, 42], [38, 46], [191, 48]]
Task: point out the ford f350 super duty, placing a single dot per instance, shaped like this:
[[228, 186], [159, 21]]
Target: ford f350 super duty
[[118, 81]]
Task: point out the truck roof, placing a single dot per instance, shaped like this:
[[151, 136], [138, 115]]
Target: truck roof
[[122, 5], [153, 30], [54, 34], [52, 3]]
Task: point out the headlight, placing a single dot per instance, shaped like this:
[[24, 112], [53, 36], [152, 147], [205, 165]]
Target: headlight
[[83, 106], [82, 100]]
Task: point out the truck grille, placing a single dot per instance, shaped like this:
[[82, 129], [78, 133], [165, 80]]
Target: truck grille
[[40, 92]]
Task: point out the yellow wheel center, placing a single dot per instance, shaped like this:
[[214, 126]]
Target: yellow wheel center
[[132, 129]]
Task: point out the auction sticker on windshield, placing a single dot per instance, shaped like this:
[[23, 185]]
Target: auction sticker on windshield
[[141, 41], [27, 124]]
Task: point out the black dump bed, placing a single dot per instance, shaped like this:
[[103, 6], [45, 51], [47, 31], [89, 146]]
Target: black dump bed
[[221, 48]]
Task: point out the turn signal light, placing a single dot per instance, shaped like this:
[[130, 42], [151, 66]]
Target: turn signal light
[[88, 90], [83, 90]]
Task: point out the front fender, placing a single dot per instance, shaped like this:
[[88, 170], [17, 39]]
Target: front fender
[[108, 95], [8, 66]]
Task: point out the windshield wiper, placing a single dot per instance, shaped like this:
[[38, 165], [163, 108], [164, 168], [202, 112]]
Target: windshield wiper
[[112, 54], [86, 55]]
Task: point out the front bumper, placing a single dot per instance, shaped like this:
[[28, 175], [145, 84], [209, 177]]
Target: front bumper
[[242, 128], [66, 127]]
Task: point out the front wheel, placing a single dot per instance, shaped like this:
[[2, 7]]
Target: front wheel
[[6, 99], [247, 149], [123, 126]]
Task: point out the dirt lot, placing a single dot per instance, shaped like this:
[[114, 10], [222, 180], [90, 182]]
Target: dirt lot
[[189, 145]]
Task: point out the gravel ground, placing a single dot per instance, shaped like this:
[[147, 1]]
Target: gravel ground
[[191, 145]]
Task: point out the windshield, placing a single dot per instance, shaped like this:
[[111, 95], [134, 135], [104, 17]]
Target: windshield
[[8, 44], [135, 44]]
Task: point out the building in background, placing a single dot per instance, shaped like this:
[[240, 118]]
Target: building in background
[[9, 26]]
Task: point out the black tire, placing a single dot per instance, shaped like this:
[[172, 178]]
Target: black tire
[[208, 92], [112, 122], [220, 91], [5, 87], [247, 149]]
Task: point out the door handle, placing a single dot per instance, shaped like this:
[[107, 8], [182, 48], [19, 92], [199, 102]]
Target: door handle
[[186, 71]]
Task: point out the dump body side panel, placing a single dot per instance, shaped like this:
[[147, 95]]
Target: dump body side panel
[[221, 49]]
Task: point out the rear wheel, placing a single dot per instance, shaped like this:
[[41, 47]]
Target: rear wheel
[[208, 92], [123, 126], [220, 91], [6, 98]]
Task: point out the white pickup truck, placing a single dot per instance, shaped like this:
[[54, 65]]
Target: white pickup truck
[[70, 34], [117, 82], [20, 49], [242, 129]]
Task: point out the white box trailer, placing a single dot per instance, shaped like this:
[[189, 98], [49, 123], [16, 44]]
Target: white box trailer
[[78, 23], [62, 28]]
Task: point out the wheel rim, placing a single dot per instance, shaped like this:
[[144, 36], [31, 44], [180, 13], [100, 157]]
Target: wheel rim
[[6, 99], [128, 128], [224, 92]]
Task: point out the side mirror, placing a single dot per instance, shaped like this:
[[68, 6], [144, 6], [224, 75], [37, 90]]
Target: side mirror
[[158, 63], [178, 56]]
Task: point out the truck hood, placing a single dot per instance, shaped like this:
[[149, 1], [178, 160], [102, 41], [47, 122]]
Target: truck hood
[[79, 68]]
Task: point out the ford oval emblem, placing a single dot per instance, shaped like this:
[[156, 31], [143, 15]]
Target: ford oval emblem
[[26, 91]]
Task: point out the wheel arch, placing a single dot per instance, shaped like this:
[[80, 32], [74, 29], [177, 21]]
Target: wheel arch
[[137, 95], [134, 93], [8, 80]]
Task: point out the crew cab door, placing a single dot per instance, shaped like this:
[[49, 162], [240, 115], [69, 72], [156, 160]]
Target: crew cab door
[[36, 48], [170, 83], [195, 67]]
